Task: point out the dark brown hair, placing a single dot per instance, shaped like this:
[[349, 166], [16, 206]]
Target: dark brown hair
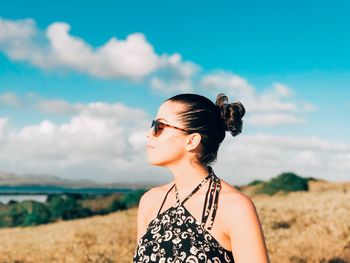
[[210, 120]]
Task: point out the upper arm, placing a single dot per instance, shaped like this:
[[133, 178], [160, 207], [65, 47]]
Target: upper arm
[[246, 234], [143, 210]]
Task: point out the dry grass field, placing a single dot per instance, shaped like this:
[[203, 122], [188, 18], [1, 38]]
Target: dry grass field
[[299, 227]]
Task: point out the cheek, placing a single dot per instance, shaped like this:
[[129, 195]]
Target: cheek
[[165, 153]]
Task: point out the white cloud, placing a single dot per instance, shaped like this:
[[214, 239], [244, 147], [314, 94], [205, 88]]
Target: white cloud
[[32, 100], [137, 140], [3, 123], [20, 30], [264, 156], [233, 85], [238, 88], [9, 99], [272, 107], [98, 142], [131, 58], [282, 90], [174, 75], [57, 106], [273, 119]]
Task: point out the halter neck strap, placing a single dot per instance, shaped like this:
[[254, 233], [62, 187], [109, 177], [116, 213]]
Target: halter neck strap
[[209, 176]]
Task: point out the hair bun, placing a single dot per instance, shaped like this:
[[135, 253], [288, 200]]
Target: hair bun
[[231, 114]]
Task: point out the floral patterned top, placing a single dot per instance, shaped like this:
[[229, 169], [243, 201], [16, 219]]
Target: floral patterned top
[[174, 236]]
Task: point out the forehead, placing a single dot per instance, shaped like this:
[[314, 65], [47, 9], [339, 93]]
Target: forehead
[[168, 111]]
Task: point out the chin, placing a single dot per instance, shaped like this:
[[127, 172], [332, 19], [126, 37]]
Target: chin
[[156, 161], [162, 158]]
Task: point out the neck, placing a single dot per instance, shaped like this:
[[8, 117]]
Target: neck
[[187, 176]]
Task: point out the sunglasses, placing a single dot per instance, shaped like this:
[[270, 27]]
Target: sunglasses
[[158, 127]]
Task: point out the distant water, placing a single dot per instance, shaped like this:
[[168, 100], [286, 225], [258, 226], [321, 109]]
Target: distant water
[[6, 198], [40, 193]]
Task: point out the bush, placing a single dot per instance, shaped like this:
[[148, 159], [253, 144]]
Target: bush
[[116, 205], [286, 182], [60, 206], [255, 182], [56, 204], [66, 207], [5, 220], [132, 198], [26, 213], [39, 214]]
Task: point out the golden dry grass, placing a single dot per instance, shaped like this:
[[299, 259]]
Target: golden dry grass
[[105, 239], [299, 227], [319, 224]]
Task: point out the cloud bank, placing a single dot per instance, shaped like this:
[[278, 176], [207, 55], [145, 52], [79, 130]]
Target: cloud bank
[[105, 142]]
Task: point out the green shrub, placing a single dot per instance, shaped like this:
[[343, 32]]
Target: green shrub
[[117, 205], [286, 182], [39, 214], [26, 213], [255, 182], [132, 198], [66, 207], [60, 206], [5, 220], [56, 204]]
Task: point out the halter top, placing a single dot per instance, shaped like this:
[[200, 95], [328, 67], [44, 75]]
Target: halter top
[[174, 236]]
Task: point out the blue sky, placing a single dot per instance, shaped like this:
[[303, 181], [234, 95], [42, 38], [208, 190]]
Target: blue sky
[[289, 62]]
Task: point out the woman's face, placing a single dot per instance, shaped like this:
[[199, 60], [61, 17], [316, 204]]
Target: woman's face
[[169, 146]]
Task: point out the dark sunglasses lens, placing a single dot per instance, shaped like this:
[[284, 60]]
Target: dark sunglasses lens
[[157, 128]]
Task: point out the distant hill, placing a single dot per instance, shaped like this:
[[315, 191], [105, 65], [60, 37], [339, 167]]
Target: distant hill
[[12, 179]]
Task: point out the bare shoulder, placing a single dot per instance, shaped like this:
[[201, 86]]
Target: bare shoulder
[[230, 194], [235, 204], [243, 227], [151, 198], [157, 190]]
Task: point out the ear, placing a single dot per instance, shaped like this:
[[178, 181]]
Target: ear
[[192, 141]]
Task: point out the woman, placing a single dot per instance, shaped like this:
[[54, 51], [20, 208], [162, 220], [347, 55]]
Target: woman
[[176, 221]]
